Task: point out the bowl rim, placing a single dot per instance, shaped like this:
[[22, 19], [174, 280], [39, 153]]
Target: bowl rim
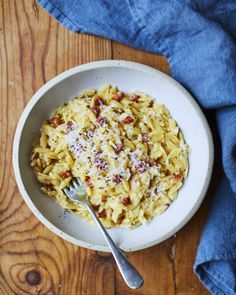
[[95, 65]]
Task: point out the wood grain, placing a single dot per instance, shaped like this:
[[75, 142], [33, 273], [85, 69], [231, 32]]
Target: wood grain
[[33, 49]]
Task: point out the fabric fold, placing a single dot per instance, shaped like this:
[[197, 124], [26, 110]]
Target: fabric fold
[[215, 263]]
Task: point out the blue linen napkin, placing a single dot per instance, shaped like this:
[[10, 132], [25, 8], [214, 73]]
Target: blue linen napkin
[[199, 39]]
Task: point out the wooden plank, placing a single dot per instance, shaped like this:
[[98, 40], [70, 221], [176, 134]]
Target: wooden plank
[[123, 52], [188, 240], [34, 48], [185, 252]]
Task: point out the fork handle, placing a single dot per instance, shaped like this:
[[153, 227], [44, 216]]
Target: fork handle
[[131, 276]]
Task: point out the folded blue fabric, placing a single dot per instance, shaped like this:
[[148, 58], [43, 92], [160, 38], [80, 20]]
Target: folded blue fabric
[[198, 38]]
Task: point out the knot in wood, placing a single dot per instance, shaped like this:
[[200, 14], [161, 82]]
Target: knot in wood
[[33, 278]]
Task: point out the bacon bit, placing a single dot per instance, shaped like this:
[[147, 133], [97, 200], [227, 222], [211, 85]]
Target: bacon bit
[[178, 176], [134, 97], [118, 96], [102, 214], [98, 101], [145, 137], [116, 178], [54, 122], [126, 201], [104, 198], [118, 149], [54, 161], [102, 121], [128, 120], [88, 181], [95, 207], [83, 96], [65, 174], [95, 110], [142, 166]]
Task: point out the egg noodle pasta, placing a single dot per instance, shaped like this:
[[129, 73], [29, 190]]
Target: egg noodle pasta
[[126, 148]]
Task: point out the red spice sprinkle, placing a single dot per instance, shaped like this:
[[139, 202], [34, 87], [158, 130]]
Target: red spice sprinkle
[[88, 181], [134, 97], [128, 120], [142, 166], [95, 110], [99, 162], [98, 101], [126, 201], [104, 198], [102, 214], [118, 149], [118, 96], [54, 122], [101, 121], [83, 96], [65, 174], [145, 137], [116, 178], [95, 207], [69, 124]]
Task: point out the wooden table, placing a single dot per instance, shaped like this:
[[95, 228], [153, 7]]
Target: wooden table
[[33, 49]]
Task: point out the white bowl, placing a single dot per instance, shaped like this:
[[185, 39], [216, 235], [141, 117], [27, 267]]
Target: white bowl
[[128, 76]]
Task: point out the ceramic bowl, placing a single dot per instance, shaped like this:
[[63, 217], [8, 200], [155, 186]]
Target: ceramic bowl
[[128, 76]]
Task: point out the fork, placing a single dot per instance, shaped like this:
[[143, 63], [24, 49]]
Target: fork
[[77, 193]]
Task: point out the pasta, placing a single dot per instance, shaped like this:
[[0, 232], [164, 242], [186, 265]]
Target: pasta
[[127, 149]]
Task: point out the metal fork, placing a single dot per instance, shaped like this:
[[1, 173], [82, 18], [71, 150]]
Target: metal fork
[[77, 193]]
